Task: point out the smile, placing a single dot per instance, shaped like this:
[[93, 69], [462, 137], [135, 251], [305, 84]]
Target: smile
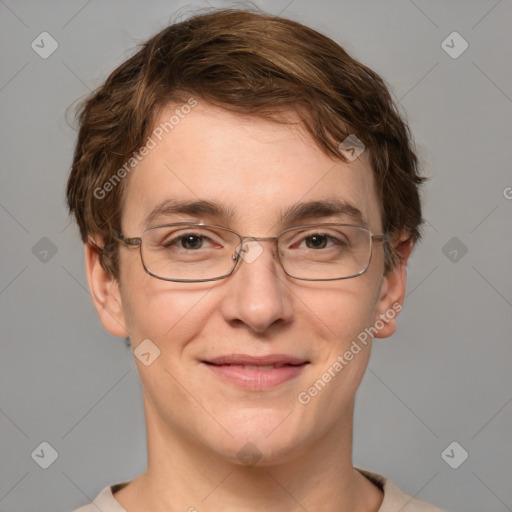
[[256, 373]]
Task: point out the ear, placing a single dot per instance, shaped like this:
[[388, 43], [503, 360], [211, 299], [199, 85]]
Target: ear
[[392, 293], [104, 292]]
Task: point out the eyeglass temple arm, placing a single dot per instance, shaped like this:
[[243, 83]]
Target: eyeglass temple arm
[[130, 242], [381, 238]]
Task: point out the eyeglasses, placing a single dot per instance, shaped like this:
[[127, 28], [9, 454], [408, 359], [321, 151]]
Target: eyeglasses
[[197, 252]]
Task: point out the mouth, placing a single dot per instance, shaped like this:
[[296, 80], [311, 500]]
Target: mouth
[[256, 373]]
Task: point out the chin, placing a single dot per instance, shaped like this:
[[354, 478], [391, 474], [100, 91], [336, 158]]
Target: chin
[[261, 438], [260, 452]]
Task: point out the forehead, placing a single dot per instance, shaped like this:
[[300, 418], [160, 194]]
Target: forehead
[[245, 171]]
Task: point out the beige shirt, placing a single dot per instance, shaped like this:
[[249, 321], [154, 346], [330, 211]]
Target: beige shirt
[[394, 499]]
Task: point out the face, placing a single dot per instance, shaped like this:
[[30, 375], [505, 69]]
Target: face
[[256, 169]]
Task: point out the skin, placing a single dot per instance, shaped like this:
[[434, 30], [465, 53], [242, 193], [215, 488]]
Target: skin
[[196, 422]]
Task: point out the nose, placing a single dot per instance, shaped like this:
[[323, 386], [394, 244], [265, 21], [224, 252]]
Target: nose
[[258, 294]]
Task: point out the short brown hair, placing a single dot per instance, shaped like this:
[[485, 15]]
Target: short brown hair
[[250, 63]]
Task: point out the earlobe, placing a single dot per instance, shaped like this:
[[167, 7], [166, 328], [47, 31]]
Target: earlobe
[[104, 292], [393, 290]]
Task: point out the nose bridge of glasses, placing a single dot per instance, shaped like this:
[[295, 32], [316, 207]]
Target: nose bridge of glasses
[[249, 248], [259, 238]]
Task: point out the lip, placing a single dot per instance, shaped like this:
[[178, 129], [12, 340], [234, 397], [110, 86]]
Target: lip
[[245, 359], [233, 368]]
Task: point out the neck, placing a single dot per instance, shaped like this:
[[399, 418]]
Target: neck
[[185, 475]]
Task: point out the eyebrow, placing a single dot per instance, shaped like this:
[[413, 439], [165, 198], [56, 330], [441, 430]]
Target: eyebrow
[[295, 213]]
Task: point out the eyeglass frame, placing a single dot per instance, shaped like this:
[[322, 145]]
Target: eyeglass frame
[[137, 242]]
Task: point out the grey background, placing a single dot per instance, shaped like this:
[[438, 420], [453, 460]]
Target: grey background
[[445, 376]]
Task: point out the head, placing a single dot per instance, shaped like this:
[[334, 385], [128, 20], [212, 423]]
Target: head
[[243, 115]]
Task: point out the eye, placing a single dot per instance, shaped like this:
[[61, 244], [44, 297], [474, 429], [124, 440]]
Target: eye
[[317, 241], [189, 241], [332, 241]]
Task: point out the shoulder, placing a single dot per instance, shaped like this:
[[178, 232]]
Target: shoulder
[[105, 500], [394, 498]]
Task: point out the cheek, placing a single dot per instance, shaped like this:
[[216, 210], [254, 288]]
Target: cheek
[[169, 314], [164, 315], [342, 315], [341, 311]]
